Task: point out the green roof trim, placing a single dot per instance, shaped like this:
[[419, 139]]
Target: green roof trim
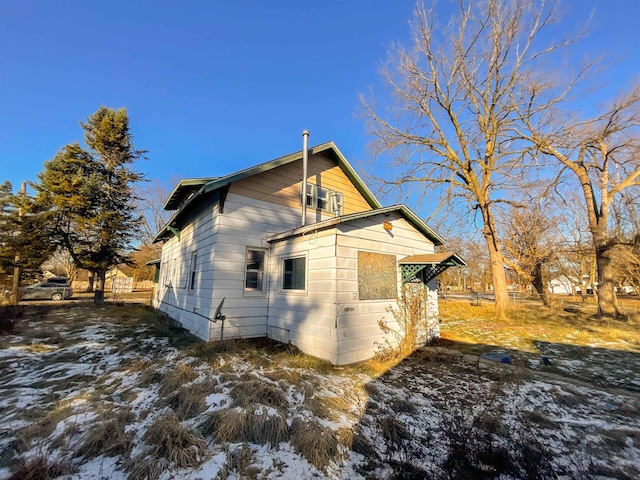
[[404, 211], [183, 189], [189, 190]]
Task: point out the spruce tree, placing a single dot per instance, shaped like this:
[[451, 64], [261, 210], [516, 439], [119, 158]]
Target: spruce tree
[[24, 238], [89, 195]]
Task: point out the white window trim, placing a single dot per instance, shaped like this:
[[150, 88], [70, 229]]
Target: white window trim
[[254, 292], [165, 274], [291, 291], [334, 201]]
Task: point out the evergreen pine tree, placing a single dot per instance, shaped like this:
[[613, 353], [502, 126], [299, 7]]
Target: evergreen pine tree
[[89, 196]]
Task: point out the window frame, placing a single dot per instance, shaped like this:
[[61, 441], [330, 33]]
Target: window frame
[[263, 285], [191, 280], [283, 273], [166, 273], [330, 199]]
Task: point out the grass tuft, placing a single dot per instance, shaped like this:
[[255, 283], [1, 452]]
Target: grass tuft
[[171, 440], [189, 400], [44, 426], [318, 444], [108, 437], [254, 424], [182, 375], [258, 392], [40, 468]]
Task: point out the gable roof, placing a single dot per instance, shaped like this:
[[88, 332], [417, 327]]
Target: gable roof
[[190, 190], [184, 189], [404, 211]]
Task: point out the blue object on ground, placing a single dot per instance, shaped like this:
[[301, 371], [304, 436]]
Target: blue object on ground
[[496, 357], [546, 360]]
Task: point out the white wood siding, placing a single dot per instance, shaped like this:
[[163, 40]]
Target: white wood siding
[[221, 242], [326, 320], [306, 319], [357, 320]]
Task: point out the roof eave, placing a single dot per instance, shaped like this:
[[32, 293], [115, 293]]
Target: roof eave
[[220, 182], [411, 217]]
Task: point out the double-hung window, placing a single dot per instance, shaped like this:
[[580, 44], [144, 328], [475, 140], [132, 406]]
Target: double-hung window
[[254, 279]]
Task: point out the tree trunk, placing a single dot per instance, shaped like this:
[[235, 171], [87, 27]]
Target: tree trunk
[[498, 275], [98, 297], [90, 282], [607, 300], [16, 284], [538, 284]]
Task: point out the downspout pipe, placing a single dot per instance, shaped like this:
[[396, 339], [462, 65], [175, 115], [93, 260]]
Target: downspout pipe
[[305, 161]]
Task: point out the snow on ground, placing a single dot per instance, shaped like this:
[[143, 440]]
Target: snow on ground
[[90, 394]]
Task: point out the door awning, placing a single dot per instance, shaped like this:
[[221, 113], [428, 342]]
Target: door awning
[[424, 267]]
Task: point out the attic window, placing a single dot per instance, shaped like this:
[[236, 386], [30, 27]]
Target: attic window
[[323, 199]]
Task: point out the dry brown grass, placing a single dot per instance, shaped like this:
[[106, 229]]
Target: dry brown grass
[[40, 468], [256, 391], [181, 375], [107, 436], [331, 408], [254, 423], [318, 444], [189, 400], [284, 376], [523, 326], [394, 431], [44, 426], [238, 464], [170, 444]]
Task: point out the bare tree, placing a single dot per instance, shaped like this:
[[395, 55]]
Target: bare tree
[[151, 198], [603, 156], [458, 96], [575, 257], [528, 241]]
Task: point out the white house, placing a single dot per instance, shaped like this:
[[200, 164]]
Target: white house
[[562, 285], [319, 276]]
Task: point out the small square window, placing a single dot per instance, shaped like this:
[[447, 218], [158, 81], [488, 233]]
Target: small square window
[[294, 273], [322, 198], [254, 277]]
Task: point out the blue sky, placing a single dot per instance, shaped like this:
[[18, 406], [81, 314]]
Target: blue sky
[[215, 86]]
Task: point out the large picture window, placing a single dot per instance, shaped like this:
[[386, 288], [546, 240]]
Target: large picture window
[[254, 276], [377, 276], [294, 273]]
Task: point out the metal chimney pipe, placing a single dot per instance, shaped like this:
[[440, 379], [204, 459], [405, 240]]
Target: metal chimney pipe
[[305, 161]]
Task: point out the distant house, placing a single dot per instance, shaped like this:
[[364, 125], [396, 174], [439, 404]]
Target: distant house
[[118, 282], [562, 285], [321, 281]]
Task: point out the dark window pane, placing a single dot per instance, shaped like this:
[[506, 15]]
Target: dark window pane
[[255, 260], [254, 280], [294, 274], [255, 269]]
